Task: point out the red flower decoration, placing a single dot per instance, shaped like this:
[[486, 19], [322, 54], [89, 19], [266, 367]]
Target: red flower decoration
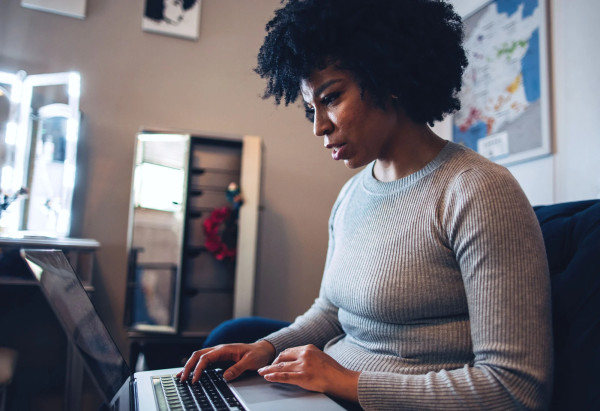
[[215, 227]]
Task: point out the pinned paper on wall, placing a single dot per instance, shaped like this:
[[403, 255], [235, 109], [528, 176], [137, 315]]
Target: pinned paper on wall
[[70, 8], [180, 18]]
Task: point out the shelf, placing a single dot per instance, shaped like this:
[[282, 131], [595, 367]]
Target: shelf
[[199, 142], [201, 210], [198, 290], [202, 170], [197, 212], [195, 250], [199, 190], [157, 266]]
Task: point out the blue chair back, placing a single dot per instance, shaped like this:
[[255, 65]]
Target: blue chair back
[[572, 237]]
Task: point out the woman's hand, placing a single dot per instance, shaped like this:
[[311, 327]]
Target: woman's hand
[[312, 369], [246, 357]]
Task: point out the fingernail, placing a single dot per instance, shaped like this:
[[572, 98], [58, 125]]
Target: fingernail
[[261, 369], [228, 375]]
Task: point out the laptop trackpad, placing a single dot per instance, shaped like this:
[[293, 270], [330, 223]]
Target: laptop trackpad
[[259, 394]]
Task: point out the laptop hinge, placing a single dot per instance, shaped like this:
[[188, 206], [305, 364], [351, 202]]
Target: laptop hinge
[[133, 402]]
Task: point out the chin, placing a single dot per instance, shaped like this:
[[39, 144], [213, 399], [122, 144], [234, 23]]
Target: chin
[[351, 164]]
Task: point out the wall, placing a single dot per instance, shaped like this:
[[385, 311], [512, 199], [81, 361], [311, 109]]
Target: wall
[[577, 99], [133, 80]]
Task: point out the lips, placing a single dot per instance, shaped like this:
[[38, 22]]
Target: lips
[[337, 150]]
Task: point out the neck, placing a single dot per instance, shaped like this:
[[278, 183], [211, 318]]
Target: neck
[[411, 149]]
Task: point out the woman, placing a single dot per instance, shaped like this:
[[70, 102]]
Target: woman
[[435, 293]]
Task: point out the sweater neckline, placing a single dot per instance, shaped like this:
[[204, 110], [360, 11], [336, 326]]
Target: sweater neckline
[[371, 184]]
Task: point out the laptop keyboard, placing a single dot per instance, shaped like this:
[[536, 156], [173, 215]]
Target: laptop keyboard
[[211, 392]]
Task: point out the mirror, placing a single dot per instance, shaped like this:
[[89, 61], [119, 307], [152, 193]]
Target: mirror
[[39, 149], [47, 209], [4, 108], [10, 99], [156, 232]]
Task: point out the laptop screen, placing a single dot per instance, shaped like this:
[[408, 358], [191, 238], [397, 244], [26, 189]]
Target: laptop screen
[[79, 318]]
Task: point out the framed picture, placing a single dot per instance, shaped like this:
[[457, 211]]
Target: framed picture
[[70, 8], [179, 18], [505, 113]]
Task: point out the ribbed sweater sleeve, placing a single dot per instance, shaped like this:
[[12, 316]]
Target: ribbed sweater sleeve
[[436, 288]]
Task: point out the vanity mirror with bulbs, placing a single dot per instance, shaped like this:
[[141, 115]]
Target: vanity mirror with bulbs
[[39, 133], [39, 130]]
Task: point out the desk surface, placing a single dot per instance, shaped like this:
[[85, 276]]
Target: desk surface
[[26, 241], [14, 271]]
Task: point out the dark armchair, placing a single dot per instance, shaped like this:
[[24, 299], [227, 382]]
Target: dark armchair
[[572, 236]]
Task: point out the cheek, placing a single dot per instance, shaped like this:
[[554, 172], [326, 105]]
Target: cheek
[[334, 117], [345, 120]]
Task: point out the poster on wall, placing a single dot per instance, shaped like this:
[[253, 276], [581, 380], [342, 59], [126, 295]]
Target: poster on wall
[[505, 97], [71, 8], [179, 18]]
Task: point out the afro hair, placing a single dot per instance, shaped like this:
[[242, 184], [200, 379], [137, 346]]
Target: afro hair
[[409, 49]]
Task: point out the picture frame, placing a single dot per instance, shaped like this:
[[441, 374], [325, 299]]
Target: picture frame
[[179, 18], [505, 97], [69, 8]]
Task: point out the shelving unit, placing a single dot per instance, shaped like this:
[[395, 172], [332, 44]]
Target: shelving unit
[[209, 291]]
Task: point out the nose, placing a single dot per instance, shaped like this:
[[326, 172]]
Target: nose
[[322, 124]]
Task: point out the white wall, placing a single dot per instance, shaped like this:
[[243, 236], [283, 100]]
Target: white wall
[[573, 171], [577, 99]]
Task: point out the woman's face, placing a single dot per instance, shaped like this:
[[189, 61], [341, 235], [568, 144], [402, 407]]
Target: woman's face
[[355, 129], [173, 11]]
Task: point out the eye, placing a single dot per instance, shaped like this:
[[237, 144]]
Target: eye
[[330, 98], [309, 112]]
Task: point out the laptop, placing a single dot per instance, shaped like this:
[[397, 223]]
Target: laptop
[[148, 390]]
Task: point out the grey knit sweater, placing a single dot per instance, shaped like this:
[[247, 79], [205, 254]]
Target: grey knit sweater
[[436, 287]]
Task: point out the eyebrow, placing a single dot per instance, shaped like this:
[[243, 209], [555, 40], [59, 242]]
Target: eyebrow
[[323, 86]]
